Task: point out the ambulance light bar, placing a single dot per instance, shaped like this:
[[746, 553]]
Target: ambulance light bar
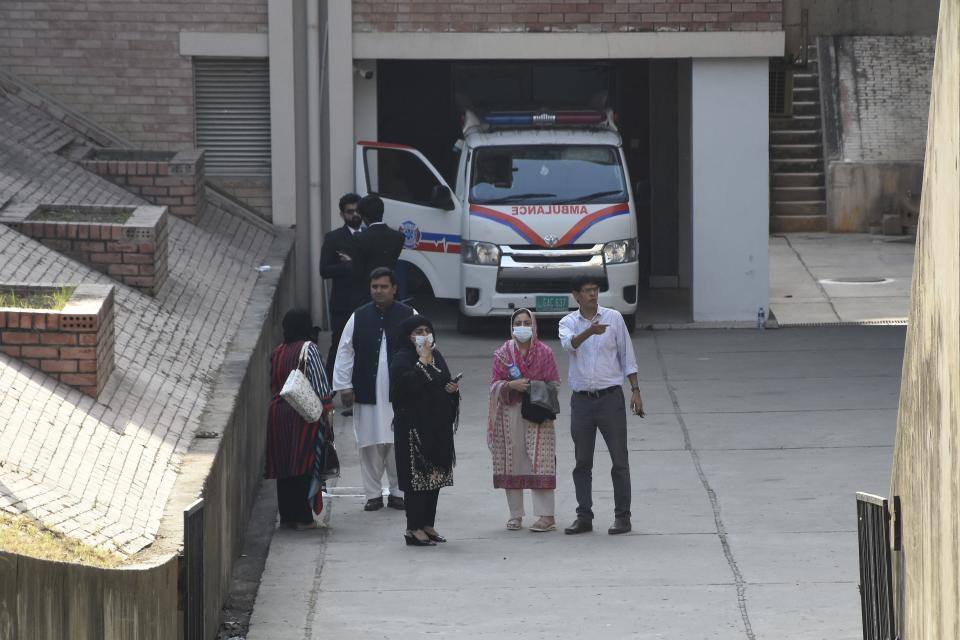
[[557, 118]]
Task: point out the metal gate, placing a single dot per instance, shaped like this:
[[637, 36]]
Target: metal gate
[[193, 571], [876, 579]]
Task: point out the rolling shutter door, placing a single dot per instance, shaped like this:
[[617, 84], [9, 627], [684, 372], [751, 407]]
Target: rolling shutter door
[[232, 114]]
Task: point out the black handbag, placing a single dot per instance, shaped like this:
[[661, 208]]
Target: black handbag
[[534, 412], [330, 463]]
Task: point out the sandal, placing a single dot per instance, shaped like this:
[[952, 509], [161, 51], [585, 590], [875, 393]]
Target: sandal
[[542, 525], [514, 524]]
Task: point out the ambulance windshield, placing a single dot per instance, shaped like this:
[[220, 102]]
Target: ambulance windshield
[[547, 174]]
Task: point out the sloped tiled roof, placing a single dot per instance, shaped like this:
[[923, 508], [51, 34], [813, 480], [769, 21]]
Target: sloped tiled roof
[[102, 470]]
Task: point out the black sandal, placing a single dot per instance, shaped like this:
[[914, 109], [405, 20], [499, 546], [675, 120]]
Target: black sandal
[[414, 541]]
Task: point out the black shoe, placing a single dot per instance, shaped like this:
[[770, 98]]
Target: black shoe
[[414, 541], [373, 504], [620, 525], [436, 537], [395, 502], [580, 525], [346, 413]]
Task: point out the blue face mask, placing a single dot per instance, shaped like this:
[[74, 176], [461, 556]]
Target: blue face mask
[[523, 334]]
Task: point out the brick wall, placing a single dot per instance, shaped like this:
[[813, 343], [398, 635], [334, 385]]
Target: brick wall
[[118, 62], [567, 16], [134, 253], [885, 96], [75, 345], [172, 180]]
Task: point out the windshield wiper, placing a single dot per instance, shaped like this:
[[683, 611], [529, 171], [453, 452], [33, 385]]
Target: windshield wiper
[[520, 196], [598, 194]]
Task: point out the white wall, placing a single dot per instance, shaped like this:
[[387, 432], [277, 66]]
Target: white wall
[[730, 180], [365, 102]]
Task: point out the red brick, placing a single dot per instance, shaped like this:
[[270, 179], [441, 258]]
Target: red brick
[[122, 247], [31, 362], [13, 320], [19, 337], [59, 366], [39, 352], [40, 321], [85, 366], [87, 339], [78, 353], [106, 258], [141, 181], [146, 247], [96, 247], [10, 350], [79, 379], [138, 258], [123, 270], [59, 338]]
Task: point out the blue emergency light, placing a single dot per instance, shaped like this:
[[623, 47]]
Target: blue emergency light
[[527, 118]]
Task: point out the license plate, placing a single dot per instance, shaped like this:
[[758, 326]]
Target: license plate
[[552, 303]]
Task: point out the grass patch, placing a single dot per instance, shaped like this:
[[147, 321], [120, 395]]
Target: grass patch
[[46, 299], [80, 214], [25, 536]]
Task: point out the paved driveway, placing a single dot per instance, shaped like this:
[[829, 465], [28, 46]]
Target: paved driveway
[[744, 475]]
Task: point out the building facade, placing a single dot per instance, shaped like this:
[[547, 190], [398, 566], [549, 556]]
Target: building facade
[[279, 91]]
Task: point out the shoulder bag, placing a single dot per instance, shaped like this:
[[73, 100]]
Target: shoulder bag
[[298, 392]]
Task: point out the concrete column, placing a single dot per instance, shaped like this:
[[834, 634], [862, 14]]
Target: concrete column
[[365, 101], [730, 188], [289, 126], [340, 80]]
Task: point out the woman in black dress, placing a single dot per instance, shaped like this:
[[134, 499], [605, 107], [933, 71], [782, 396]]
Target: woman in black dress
[[425, 407]]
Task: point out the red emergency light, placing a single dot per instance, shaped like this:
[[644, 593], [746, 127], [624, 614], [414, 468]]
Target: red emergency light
[[529, 118]]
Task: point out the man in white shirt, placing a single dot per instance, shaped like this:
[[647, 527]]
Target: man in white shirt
[[601, 355], [362, 375]]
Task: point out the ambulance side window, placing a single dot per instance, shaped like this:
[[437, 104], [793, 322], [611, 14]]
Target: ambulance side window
[[398, 175]]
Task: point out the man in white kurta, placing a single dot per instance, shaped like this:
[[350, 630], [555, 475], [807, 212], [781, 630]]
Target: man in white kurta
[[372, 423]]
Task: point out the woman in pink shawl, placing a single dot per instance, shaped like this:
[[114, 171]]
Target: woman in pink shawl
[[524, 453]]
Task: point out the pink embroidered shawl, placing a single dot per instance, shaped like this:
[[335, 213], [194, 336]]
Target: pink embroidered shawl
[[524, 454]]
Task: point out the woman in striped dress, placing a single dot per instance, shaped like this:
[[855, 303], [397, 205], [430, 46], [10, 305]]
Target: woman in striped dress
[[294, 446]]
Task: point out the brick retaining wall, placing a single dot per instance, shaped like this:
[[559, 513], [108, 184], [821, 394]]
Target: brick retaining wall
[[134, 252], [567, 16], [74, 345], [172, 180]]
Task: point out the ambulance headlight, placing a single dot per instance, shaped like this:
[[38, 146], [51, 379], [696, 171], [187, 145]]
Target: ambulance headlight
[[620, 251], [480, 253]]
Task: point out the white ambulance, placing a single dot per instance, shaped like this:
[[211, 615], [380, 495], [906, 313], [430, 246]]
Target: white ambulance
[[538, 198]]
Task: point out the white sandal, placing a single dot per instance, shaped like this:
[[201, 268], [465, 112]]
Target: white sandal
[[540, 526], [514, 524]]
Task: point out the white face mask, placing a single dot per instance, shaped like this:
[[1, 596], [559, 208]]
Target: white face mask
[[421, 339], [523, 334]]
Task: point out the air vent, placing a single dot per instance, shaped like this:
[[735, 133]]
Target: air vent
[[781, 89]]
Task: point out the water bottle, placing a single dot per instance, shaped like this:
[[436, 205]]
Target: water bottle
[[761, 319]]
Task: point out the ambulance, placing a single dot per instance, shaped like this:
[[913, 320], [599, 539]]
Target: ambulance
[[537, 199]]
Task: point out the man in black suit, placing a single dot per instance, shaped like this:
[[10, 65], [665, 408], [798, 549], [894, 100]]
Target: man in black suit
[[340, 262], [380, 246]]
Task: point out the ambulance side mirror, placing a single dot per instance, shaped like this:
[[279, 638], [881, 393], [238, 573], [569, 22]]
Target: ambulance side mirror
[[441, 198]]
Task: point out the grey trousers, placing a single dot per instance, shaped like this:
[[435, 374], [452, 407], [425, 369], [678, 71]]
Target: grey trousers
[[607, 414]]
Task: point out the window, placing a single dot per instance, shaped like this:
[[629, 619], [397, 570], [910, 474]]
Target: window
[[232, 115], [399, 175], [547, 174]]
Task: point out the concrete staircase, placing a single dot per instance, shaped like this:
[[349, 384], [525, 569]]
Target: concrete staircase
[[797, 188]]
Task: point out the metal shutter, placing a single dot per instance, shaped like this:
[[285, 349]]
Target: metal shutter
[[232, 114]]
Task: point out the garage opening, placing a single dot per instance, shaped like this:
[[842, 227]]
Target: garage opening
[[420, 103]]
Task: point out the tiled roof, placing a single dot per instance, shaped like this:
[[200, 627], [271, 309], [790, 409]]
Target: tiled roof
[[101, 470]]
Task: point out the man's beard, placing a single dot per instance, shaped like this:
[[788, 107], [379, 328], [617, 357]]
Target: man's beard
[[354, 223]]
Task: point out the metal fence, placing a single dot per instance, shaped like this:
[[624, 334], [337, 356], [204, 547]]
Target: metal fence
[[192, 587], [876, 578]]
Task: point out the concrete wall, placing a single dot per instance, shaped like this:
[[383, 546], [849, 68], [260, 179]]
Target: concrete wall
[[864, 17], [730, 185], [875, 92], [926, 460], [42, 600]]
